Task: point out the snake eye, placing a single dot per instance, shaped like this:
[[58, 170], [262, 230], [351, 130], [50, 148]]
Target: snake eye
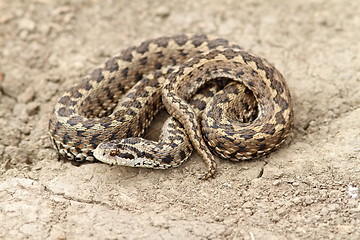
[[113, 153]]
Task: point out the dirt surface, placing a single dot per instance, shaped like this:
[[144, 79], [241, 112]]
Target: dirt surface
[[308, 189]]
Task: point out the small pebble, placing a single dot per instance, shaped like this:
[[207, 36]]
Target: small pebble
[[297, 200], [32, 108], [276, 182], [27, 96], [162, 12], [248, 205], [26, 24]]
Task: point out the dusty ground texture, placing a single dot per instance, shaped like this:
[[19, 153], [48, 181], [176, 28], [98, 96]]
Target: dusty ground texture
[[305, 190]]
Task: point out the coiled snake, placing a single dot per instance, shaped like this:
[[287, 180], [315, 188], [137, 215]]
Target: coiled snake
[[104, 115]]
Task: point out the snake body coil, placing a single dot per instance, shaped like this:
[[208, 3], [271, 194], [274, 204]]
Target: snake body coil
[[104, 115]]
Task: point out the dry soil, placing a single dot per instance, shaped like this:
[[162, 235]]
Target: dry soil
[[308, 189]]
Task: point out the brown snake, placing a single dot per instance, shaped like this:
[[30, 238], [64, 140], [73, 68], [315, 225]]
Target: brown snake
[[104, 115]]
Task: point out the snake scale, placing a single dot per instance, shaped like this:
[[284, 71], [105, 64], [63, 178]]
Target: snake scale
[[222, 100]]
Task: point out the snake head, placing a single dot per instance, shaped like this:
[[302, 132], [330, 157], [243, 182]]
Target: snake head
[[124, 153], [114, 153]]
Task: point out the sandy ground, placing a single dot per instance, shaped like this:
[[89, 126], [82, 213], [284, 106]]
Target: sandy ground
[[308, 189]]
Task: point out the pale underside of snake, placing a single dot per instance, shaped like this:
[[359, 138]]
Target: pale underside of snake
[[222, 99]]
